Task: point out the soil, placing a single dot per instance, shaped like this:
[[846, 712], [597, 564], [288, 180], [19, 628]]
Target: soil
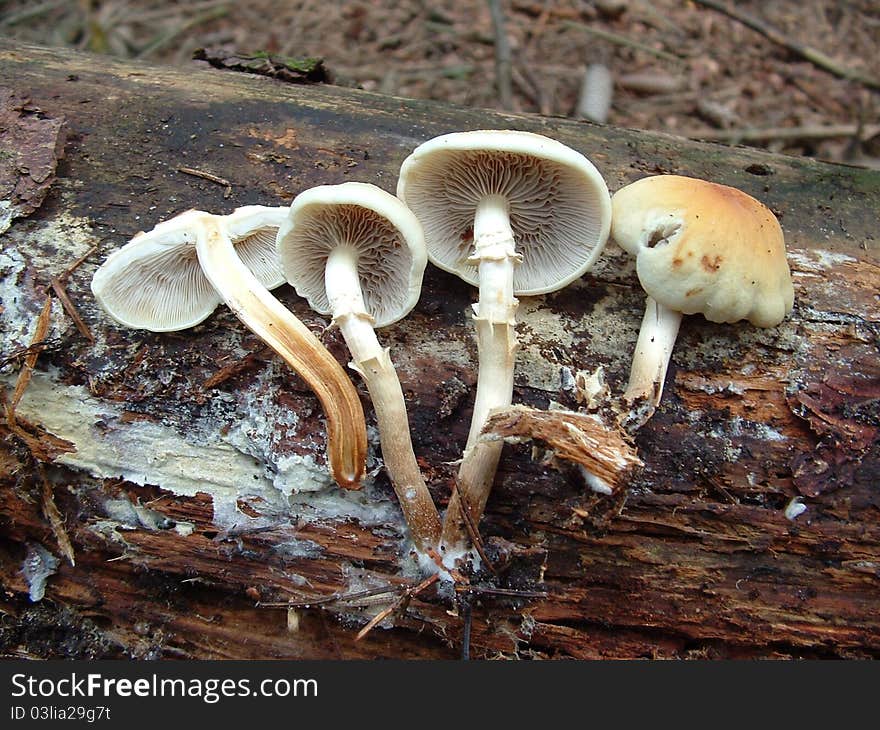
[[679, 67]]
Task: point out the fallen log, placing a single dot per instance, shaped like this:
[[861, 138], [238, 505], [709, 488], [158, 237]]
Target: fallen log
[[167, 495]]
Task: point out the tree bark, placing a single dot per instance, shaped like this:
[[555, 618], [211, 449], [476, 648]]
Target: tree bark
[[192, 486]]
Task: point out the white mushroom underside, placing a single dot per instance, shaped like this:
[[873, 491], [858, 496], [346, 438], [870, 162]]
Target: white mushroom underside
[[155, 281], [257, 252], [383, 259], [555, 223], [166, 286]]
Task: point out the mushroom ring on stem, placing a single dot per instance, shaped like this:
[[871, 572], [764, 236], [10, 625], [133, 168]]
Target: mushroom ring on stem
[[700, 247], [512, 213], [174, 276], [357, 253]]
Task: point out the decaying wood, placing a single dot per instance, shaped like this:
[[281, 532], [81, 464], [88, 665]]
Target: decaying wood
[[189, 508], [290, 70], [578, 438], [30, 145]]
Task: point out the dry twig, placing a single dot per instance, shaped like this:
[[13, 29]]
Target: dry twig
[[208, 176], [53, 515], [503, 63], [473, 532], [42, 445], [506, 592], [541, 90], [399, 605], [61, 292], [23, 352], [333, 598], [752, 134], [59, 286], [24, 376], [621, 40], [165, 37], [817, 58]]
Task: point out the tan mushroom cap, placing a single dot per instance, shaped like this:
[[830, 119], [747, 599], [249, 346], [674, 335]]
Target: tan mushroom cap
[[705, 248], [560, 208]]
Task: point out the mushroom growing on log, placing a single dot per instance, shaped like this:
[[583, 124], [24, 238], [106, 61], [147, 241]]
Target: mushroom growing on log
[[699, 561], [357, 253], [513, 213], [700, 248], [174, 276]]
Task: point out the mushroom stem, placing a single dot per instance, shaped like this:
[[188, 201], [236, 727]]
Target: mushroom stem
[[373, 362], [267, 318], [653, 350], [495, 323]]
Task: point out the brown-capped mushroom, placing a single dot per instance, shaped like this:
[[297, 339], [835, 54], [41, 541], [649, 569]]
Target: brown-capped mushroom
[[700, 247]]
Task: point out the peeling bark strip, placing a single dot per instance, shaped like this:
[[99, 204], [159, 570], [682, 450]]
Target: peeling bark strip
[[30, 146], [283, 68], [188, 508]]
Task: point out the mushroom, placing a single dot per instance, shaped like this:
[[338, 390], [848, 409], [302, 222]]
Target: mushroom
[[252, 230], [175, 275], [156, 283], [358, 254], [512, 213], [700, 247]]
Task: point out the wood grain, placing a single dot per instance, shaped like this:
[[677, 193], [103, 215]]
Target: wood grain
[[694, 558]]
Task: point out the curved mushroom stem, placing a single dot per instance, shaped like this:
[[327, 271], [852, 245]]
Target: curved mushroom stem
[[495, 322], [279, 328], [373, 362], [651, 358]]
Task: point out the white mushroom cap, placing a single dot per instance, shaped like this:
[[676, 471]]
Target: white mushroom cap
[[560, 209], [705, 248], [386, 237], [155, 281], [252, 230]]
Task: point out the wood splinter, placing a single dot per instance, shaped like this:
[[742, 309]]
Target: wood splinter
[[576, 437]]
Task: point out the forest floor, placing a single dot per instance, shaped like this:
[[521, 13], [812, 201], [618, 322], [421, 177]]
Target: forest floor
[[682, 67]]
